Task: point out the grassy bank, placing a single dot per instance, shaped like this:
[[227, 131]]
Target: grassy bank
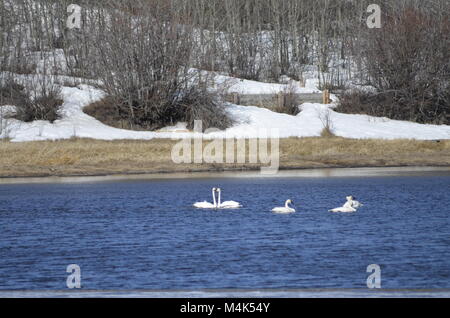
[[94, 157]]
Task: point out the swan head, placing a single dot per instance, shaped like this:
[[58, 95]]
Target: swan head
[[349, 198], [289, 201], [217, 189]]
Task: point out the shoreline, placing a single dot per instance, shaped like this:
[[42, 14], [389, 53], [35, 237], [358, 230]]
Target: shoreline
[[80, 158], [205, 171], [234, 293], [366, 171]]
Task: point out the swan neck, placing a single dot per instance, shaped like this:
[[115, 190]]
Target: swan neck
[[214, 198]]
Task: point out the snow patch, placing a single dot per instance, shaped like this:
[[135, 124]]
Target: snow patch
[[251, 121]]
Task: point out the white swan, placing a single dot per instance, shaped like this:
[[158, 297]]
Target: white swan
[[343, 209], [355, 204], [207, 205], [227, 204], [349, 206], [285, 209]]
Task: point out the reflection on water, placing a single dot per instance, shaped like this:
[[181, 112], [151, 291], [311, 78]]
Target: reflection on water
[[305, 173], [143, 233]]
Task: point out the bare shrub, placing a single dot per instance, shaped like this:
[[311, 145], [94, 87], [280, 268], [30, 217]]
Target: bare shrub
[[408, 62], [196, 103], [244, 54], [44, 105], [144, 61], [107, 111], [392, 105], [327, 122], [360, 102], [200, 103], [39, 100], [332, 80], [12, 93]]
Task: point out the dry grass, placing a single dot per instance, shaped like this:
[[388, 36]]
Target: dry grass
[[341, 152], [95, 157], [327, 133]]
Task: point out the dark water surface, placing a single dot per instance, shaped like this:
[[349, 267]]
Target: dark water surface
[[145, 234]]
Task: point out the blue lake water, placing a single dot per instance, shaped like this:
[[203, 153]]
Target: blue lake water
[[145, 234]]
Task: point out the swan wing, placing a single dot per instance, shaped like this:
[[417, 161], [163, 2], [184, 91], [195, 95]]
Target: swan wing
[[283, 210], [204, 205], [230, 204], [343, 209]]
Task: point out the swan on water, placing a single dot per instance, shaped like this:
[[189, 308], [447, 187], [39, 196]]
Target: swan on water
[[349, 206], [227, 204], [355, 204], [285, 209], [207, 205]]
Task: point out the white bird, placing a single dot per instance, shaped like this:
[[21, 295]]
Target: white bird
[[227, 204], [344, 209], [355, 204], [285, 209], [207, 205], [349, 206]]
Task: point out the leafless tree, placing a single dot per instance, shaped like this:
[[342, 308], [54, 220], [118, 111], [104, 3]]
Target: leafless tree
[[143, 50], [408, 62]]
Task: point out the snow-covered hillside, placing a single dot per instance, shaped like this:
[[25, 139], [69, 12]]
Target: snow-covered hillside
[[251, 121], [38, 46]]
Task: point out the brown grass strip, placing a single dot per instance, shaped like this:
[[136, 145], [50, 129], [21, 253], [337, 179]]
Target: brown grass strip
[[86, 157]]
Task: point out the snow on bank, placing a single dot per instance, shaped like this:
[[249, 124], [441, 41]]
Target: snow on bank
[[251, 122], [310, 122]]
